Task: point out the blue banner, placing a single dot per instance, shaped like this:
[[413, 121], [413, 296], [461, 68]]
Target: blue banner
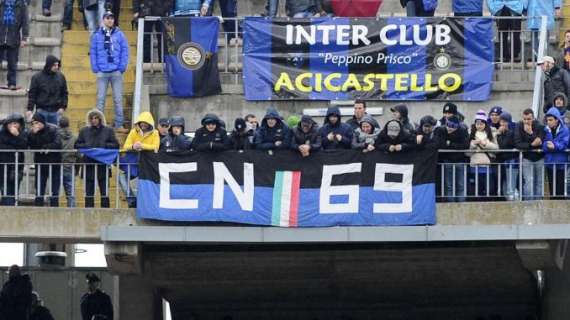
[[367, 58], [340, 188]]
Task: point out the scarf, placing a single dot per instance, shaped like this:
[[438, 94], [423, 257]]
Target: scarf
[[9, 16], [108, 44]]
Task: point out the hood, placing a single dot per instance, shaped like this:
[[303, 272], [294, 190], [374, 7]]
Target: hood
[[271, 113], [38, 117], [209, 118], [93, 112], [15, 117], [560, 95], [146, 117], [368, 119], [506, 117], [555, 113], [50, 61], [333, 111], [240, 125], [177, 121], [402, 109], [427, 120]]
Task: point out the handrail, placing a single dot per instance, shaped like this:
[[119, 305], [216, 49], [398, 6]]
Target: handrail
[[122, 151]]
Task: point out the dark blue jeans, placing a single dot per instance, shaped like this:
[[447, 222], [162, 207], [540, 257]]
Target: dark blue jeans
[[229, 10], [43, 173], [68, 13], [10, 54]]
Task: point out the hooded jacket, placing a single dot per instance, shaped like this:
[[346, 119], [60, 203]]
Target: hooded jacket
[[48, 89], [312, 138], [205, 140], [557, 80], [405, 121], [96, 137], [16, 298], [11, 35], [506, 140], [265, 137], [171, 142], [47, 138], [565, 98], [150, 140], [361, 139], [457, 140], [113, 58], [431, 141], [10, 142], [404, 138], [68, 143], [559, 137], [241, 137], [523, 140], [338, 128], [355, 124]]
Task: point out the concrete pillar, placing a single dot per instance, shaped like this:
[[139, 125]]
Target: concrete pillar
[[138, 299], [124, 258]]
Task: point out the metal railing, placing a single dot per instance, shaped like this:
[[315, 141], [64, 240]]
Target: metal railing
[[25, 181]]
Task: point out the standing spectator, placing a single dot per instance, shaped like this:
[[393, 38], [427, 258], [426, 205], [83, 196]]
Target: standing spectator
[[454, 136], [467, 8], [163, 127], [46, 8], [95, 303], [176, 140], [560, 102], [334, 133], [45, 136], [93, 11], [538, 8], [14, 30], [109, 55], [563, 60], [365, 136], [305, 137], [16, 295], [211, 137], [143, 8], [12, 137], [48, 92], [508, 161], [69, 159], [426, 137], [96, 134], [509, 29], [555, 142], [481, 139], [400, 113], [273, 133], [395, 138], [419, 8], [529, 135], [495, 117], [229, 10], [241, 137], [68, 13], [556, 80], [296, 8], [38, 311], [359, 113]]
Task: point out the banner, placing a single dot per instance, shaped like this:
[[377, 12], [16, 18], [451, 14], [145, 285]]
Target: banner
[[340, 188], [191, 56], [368, 58]]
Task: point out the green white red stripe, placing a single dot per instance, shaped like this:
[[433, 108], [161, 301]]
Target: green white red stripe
[[285, 206]]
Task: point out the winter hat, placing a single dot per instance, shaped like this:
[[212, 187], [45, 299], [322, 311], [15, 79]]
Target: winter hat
[[453, 122], [91, 278], [393, 128], [239, 124], [39, 118], [428, 120], [481, 115], [450, 107], [496, 109], [505, 116], [163, 122], [306, 121]]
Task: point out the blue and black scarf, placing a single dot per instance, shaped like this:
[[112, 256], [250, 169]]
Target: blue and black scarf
[[9, 16]]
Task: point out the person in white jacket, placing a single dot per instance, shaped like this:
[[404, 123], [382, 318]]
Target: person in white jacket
[[482, 179]]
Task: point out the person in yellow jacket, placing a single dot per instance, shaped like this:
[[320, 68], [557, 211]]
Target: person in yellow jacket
[[143, 136]]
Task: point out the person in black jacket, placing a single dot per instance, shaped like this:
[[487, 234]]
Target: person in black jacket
[[395, 138], [176, 140], [305, 137], [509, 169], [426, 137], [241, 137], [14, 34], [96, 135], [273, 134], [529, 136], [48, 92], [334, 133], [38, 311], [454, 136], [95, 302], [45, 136], [556, 80], [16, 295], [13, 136], [211, 137], [400, 113]]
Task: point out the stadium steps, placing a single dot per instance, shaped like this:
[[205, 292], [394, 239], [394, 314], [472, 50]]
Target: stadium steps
[[82, 87]]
